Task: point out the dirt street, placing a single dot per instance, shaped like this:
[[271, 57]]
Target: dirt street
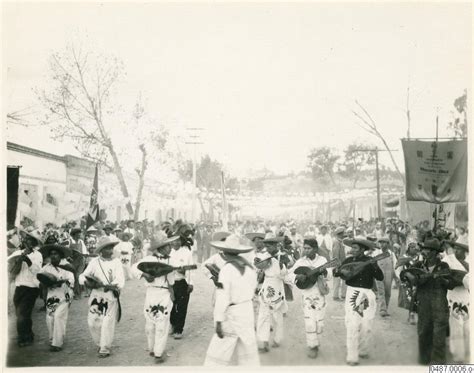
[[394, 340]]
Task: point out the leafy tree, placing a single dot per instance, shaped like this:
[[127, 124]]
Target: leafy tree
[[322, 162], [355, 160], [458, 125]]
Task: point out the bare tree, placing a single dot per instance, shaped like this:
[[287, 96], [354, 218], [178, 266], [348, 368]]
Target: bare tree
[[79, 104], [153, 139], [369, 125]]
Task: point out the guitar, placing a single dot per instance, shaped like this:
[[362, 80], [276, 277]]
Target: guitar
[[312, 274], [350, 270]]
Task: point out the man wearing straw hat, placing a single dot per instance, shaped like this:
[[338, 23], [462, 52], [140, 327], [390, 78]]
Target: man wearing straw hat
[[104, 275], [159, 297], [25, 265], [271, 299], [60, 286], [233, 311], [360, 305], [433, 310]]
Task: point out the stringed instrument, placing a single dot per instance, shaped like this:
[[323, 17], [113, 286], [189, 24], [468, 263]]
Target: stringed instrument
[[350, 270], [312, 274], [157, 269]]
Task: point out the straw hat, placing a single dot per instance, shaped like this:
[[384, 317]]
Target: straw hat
[[220, 236], [33, 233], [231, 245], [252, 236], [105, 241], [155, 244]]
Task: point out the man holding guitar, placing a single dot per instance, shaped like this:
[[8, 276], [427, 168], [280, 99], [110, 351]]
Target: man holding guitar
[[309, 275], [159, 295], [359, 272]]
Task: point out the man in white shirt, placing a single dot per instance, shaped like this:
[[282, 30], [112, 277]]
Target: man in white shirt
[[233, 311], [180, 256], [325, 242], [104, 309], [458, 302], [158, 299], [59, 295], [271, 298], [27, 264], [384, 287], [314, 302]]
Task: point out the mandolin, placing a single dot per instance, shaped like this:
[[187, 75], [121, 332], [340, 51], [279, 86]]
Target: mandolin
[[157, 269], [312, 274], [350, 270]]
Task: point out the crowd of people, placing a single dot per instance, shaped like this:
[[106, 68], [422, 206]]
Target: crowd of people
[[255, 267]]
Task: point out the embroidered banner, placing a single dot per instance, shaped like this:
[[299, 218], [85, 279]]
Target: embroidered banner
[[436, 172]]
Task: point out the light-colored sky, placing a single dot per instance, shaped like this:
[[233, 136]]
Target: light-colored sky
[[267, 81]]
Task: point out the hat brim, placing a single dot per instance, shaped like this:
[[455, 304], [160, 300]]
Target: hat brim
[[99, 249], [40, 240], [458, 244], [253, 236], [435, 248], [47, 279], [273, 241], [369, 245], [159, 245], [220, 236], [222, 245], [46, 250]]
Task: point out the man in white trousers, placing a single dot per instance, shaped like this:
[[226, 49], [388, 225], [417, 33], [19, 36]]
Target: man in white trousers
[[59, 295], [233, 311], [104, 275], [159, 298], [458, 302], [271, 299], [360, 305], [314, 302]]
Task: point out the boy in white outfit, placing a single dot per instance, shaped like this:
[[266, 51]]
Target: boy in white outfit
[[159, 298], [59, 296], [104, 275], [271, 298]]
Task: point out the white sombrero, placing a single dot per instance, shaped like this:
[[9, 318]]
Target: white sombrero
[[232, 245], [104, 242], [34, 233]]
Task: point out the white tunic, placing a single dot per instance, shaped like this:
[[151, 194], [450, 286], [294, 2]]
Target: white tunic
[[27, 274]]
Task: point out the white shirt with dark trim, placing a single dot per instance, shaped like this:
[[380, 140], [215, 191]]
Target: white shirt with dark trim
[[27, 274], [112, 268]]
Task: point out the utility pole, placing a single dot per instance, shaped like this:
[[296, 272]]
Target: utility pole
[[194, 136], [377, 173]]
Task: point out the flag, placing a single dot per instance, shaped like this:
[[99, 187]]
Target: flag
[[93, 215], [436, 171]]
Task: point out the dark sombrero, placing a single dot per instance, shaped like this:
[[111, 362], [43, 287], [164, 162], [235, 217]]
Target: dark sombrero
[[47, 279], [458, 244], [432, 244], [368, 245], [62, 250]]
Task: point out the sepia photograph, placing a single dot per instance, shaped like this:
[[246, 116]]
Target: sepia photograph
[[243, 184]]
